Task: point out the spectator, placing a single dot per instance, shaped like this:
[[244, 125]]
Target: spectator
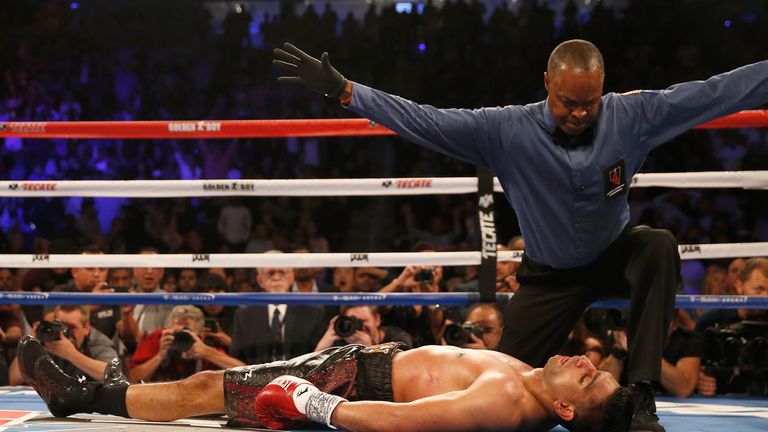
[[304, 278], [506, 279], [139, 320], [679, 365], [438, 234], [219, 320], [715, 283], [81, 350], [121, 277], [315, 241], [235, 222], [277, 331], [424, 323], [177, 350], [752, 281], [368, 279], [483, 317], [260, 240], [170, 282], [370, 332], [343, 279], [581, 341], [734, 269], [103, 318], [187, 280], [10, 315]]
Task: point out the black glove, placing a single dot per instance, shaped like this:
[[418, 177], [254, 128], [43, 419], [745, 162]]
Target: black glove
[[317, 75]]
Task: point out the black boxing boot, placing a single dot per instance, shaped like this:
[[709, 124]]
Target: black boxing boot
[[29, 351], [645, 418], [65, 395]]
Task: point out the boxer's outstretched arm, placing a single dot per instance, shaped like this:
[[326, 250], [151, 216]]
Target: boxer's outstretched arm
[[474, 409]]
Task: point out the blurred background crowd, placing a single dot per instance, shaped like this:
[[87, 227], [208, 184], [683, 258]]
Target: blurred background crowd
[[188, 59]]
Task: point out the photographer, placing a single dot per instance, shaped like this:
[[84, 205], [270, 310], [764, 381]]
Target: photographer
[[729, 332], [11, 318], [680, 360], [137, 321], [361, 325], [77, 348], [177, 351], [424, 323], [104, 318], [481, 329], [219, 320]]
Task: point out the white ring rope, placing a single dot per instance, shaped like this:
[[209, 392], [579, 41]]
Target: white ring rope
[[362, 259], [336, 187]]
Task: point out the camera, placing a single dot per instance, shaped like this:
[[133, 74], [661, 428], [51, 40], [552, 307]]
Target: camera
[[118, 288], [182, 340], [49, 331], [211, 325], [605, 322], [346, 326], [426, 275], [737, 357], [459, 335]]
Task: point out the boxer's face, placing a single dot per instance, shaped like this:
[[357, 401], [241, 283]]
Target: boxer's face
[[577, 381], [574, 98]]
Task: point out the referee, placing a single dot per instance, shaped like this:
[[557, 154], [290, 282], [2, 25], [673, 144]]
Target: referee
[[565, 164]]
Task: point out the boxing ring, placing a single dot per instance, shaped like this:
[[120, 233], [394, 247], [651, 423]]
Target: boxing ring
[[22, 409]]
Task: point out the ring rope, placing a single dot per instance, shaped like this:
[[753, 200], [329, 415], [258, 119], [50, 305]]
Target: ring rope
[[355, 259], [383, 299], [181, 129], [336, 187]]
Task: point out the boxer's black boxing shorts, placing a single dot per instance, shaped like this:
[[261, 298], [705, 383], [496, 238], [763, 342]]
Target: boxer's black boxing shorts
[[354, 372]]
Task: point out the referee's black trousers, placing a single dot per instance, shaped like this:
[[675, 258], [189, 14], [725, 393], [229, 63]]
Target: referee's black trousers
[[643, 265]]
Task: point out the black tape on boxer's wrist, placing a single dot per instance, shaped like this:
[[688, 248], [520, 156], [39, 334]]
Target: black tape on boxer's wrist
[[487, 220]]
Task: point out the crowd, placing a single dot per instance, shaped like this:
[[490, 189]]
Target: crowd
[[161, 343], [173, 62]]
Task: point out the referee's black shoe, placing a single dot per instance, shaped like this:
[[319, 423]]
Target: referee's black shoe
[[645, 418]]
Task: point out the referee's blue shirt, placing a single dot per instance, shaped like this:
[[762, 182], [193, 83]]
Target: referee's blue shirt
[[564, 194]]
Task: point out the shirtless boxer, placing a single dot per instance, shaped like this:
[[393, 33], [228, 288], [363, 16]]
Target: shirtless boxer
[[357, 388]]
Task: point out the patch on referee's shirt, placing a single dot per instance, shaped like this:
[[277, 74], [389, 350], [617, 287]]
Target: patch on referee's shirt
[[614, 180]]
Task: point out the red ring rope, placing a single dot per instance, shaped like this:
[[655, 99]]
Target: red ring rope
[[258, 128]]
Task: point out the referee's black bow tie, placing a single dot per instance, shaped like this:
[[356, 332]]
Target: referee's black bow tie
[[573, 141]]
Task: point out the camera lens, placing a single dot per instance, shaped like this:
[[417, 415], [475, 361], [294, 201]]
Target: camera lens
[[426, 276], [49, 331], [346, 326], [455, 335], [182, 341]]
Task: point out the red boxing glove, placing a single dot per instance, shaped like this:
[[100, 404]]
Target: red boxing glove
[[287, 401]]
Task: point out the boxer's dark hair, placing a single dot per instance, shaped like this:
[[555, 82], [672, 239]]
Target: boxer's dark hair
[[614, 414]]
